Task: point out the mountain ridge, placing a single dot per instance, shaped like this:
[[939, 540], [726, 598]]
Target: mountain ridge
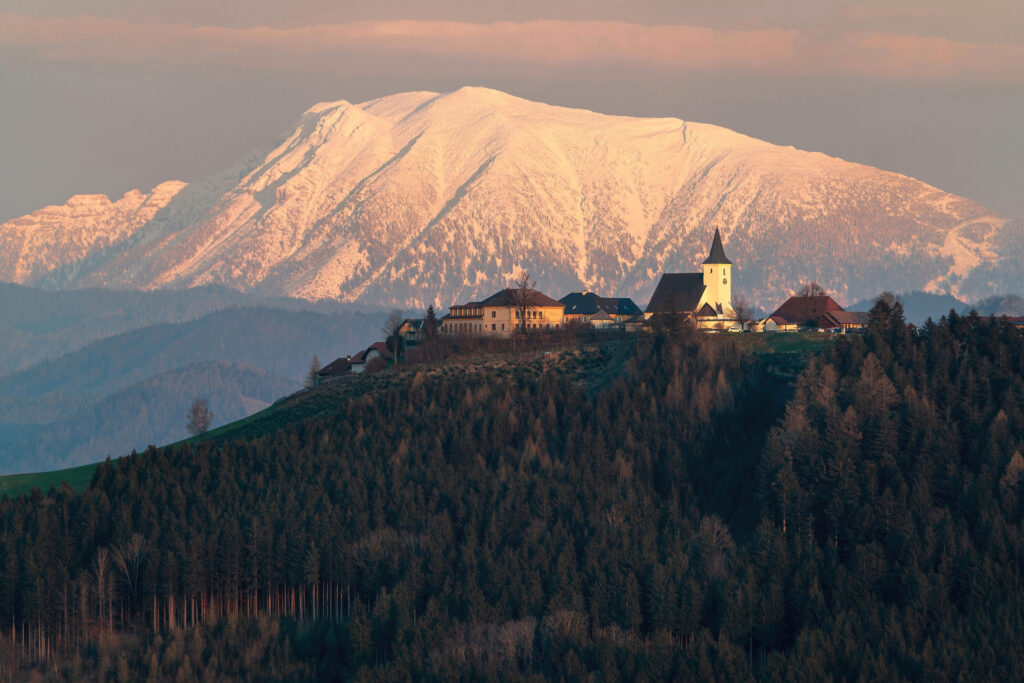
[[423, 197]]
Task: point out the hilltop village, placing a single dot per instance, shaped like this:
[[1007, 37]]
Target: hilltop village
[[703, 299]]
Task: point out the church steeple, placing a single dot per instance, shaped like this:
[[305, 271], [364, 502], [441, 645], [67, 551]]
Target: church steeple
[[717, 255]]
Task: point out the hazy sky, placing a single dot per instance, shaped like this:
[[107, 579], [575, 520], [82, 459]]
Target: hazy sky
[[108, 95]]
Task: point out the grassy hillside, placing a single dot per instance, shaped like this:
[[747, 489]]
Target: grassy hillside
[[77, 478]]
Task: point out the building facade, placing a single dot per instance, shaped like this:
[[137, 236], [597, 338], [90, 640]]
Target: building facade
[[705, 297], [499, 315]]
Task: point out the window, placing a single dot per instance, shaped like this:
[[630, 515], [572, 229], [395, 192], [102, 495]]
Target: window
[[493, 313], [494, 327], [503, 326]]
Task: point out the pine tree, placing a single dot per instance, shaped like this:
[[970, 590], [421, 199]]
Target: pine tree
[[430, 324]]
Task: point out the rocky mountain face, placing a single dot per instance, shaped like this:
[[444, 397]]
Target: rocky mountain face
[[421, 198]]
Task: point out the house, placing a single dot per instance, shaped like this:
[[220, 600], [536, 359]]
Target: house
[[847, 321], [411, 331], [465, 318], [705, 297], [634, 323], [1016, 321], [773, 324], [602, 319], [333, 371], [376, 350], [804, 311], [498, 314], [581, 307]]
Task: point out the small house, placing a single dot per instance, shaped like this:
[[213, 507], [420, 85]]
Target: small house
[[805, 311], [845, 321], [581, 307], [376, 350], [333, 371]]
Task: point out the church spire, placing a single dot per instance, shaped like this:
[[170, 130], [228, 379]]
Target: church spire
[[717, 254]]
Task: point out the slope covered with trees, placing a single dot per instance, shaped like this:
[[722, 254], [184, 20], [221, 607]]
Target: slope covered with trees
[[695, 514], [100, 399]]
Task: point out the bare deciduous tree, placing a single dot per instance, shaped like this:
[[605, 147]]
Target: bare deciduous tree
[[101, 572], [742, 308], [314, 367], [393, 332], [811, 288], [129, 556], [523, 293], [199, 416]]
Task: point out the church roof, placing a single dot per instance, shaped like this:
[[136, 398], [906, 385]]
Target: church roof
[[717, 254], [685, 290]]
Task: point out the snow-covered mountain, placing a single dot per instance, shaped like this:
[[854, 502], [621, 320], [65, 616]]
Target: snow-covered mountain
[[423, 198]]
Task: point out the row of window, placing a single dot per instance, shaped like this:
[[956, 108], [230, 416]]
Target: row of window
[[458, 328]]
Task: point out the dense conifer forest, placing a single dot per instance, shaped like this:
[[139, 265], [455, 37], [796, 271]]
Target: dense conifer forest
[[694, 512]]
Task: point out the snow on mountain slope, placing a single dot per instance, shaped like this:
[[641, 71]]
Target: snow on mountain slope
[[58, 235], [423, 198]]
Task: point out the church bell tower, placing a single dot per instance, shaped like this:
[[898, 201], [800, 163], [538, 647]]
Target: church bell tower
[[718, 277]]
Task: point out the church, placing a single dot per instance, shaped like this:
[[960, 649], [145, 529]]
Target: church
[[705, 298]]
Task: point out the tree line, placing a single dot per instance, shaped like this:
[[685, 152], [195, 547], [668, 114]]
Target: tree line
[[689, 515]]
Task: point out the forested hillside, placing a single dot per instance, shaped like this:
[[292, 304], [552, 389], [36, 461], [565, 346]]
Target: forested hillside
[[697, 513], [126, 390], [36, 324], [151, 411]]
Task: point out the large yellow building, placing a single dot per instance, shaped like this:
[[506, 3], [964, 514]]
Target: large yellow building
[[498, 315], [705, 297]]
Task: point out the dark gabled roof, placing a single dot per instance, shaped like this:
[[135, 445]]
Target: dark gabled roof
[[507, 297], [848, 317], [336, 367], [685, 289], [717, 254], [380, 347], [799, 309], [589, 303], [601, 315], [707, 310], [414, 323]]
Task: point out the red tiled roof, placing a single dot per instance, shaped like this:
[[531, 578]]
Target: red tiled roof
[[799, 309]]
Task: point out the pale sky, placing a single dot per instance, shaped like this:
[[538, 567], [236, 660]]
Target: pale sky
[[109, 95]]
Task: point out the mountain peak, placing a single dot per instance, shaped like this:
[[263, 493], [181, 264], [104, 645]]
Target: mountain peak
[[423, 197]]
